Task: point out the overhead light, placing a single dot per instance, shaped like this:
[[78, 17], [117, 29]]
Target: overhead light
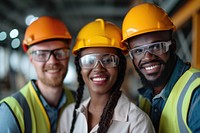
[[29, 19], [71, 74], [15, 61], [4, 62], [27, 68], [3, 36], [14, 33], [15, 43]]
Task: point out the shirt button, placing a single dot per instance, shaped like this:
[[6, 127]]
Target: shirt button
[[155, 110]]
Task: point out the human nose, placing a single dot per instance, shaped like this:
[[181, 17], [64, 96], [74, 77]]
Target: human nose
[[146, 50], [52, 57], [147, 55], [98, 65]]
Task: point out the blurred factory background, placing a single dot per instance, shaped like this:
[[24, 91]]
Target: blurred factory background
[[15, 15]]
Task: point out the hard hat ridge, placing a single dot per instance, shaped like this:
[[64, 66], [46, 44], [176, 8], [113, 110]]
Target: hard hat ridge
[[99, 33], [145, 18], [45, 28]]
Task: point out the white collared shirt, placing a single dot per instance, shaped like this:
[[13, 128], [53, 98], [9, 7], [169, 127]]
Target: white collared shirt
[[127, 118]]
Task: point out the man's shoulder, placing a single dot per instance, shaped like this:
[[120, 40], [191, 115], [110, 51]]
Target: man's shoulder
[[7, 119], [4, 109]]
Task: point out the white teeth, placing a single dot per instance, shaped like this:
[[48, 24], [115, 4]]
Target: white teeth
[[99, 79], [151, 67], [55, 70]]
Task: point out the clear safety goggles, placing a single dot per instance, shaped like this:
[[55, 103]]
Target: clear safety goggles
[[157, 48], [44, 55], [107, 60]]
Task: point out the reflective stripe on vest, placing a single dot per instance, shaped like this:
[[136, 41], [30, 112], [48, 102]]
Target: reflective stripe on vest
[[144, 104], [182, 125], [27, 115], [39, 119], [16, 109], [175, 112], [29, 111]]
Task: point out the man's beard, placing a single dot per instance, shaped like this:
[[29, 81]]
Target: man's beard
[[56, 82], [165, 74], [53, 81]]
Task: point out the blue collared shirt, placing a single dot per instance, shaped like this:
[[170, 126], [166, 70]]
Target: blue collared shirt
[[8, 122], [158, 101]]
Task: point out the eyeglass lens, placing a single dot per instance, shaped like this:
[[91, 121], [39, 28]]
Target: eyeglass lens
[[44, 55], [157, 48], [106, 60]]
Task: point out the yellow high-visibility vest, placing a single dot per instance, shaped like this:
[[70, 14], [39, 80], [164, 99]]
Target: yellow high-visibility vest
[[174, 115], [29, 111]]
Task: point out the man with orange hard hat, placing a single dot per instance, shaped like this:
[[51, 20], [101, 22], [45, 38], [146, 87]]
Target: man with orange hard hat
[[171, 88], [37, 106]]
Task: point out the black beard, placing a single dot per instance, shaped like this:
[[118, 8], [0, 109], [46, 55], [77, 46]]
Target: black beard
[[165, 74]]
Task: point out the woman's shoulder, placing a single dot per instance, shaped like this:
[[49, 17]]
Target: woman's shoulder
[[71, 106], [132, 109], [127, 111]]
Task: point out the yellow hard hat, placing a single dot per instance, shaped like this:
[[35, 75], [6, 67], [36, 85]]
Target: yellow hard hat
[[145, 18], [99, 33], [45, 28]]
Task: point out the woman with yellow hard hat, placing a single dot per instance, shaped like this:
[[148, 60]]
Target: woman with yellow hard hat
[[101, 65]]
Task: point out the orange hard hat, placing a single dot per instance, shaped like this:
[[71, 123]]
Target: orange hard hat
[[145, 18], [99, 33], [45, 28]]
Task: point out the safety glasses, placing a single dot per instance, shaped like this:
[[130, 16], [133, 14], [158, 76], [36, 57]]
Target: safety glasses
[[157, 48], [107, 60], [44, 55]]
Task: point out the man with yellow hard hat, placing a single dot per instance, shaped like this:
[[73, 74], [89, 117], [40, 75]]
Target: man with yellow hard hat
[[37, 106], [171, 88]]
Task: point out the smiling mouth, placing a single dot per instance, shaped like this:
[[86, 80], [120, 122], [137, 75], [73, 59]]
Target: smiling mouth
[[98, 79], [151, 67], [52, 70]]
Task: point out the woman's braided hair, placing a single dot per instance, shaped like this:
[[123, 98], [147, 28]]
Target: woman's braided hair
[[108, 111], [79, 92]]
